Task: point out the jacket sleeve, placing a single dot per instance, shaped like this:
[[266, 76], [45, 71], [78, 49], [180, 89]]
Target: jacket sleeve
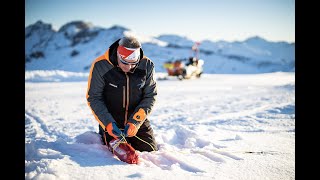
[[95, 99], [149, 98]]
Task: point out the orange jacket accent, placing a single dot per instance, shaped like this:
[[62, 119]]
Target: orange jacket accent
[[102, 57], [140, 115]]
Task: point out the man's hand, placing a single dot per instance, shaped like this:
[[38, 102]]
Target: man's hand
[[130, 130], [113, 130]]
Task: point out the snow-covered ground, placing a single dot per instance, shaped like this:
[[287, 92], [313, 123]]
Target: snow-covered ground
[[221, 126]]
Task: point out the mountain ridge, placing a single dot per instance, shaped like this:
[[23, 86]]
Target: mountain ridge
[[76, 44]]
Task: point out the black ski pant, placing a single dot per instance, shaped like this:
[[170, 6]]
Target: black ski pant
[[145, 133]]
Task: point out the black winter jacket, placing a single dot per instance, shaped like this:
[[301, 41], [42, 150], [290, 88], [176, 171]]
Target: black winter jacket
[[115, 96]]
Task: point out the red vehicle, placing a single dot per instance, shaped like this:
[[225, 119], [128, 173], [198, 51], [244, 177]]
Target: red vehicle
[[183, 70]]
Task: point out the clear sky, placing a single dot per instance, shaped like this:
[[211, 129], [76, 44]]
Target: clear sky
[[215, 20]]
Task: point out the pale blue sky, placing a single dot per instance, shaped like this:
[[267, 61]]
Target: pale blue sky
[[215, 20]]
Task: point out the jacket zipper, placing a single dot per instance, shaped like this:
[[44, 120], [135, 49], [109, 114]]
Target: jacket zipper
[[127, 102], [124, 96]]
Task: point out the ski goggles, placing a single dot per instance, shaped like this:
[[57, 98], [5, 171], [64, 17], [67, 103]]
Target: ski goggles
[[128, 63]]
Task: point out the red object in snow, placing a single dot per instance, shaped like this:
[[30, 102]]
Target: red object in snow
[[124, 151]]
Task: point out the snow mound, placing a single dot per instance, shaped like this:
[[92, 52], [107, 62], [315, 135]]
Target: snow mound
[[54, 76]]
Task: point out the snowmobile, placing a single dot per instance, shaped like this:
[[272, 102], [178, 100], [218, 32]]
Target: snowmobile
[[181, 69]]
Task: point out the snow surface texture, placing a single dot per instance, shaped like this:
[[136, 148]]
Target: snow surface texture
[[220, 126]]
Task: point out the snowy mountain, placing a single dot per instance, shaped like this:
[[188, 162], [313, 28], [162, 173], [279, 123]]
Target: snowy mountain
[[76, 44]]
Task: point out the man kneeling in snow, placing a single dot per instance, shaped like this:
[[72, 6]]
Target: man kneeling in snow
[[121, 94]]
